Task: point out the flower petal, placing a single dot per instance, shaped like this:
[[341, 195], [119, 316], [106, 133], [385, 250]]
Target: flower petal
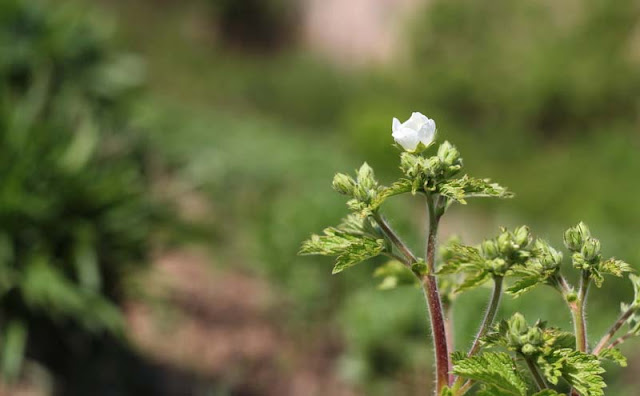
[[416, 121], [427, 132], [407, 138], [396, 124]]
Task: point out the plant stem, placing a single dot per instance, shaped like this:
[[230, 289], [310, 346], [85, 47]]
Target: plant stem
[[620, 340], [395, 239], [434, 303], [577, 309], [489, 316], [614, 329], [540, 383]]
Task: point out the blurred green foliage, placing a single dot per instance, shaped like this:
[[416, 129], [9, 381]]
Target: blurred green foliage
[[542, 96], [76, 213]]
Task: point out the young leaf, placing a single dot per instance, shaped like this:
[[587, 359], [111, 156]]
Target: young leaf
[[353, 241], [581, 370], [614, 267], [471, 187], [613, 355], [548, 392], [495, 369]]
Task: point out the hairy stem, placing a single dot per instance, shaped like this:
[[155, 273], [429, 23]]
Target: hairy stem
[[489, 316], [434, 303], [620, 340], [578, 308], [395, 239], [613, 330], [540, 383]]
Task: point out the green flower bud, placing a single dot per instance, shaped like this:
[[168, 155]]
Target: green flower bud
[[366, 178], [575, 237], [528, 349], [409, 163], [522, 236], [534, 336], [517, 323], [505, 243], [343, 184], [590, 249], [489, 249], [448, 154]]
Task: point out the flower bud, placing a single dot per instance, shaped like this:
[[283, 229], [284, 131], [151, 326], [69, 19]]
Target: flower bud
[[505, 244], [489, 249], [522, 236], [534, 336], [590, 249], [448, 154], [366, 177], [343, 184], [409, 163], [575, 237], [571, 296], [518, 324]]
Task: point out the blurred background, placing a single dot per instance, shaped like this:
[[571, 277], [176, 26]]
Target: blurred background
[[162, 160]]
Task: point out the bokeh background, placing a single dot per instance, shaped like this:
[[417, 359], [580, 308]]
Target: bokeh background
[[162, 160]]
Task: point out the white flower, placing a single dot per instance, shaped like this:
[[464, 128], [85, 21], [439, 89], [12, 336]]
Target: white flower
[[415, 134]]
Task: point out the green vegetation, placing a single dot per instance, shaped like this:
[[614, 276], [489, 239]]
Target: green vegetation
[[76, 214], [260, 129]]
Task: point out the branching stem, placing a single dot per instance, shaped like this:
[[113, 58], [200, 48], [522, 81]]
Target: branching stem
[[614, 329], [395, 239], [490, 315]]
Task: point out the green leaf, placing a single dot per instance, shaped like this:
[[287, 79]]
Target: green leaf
[[548, 392], [400, 187], [473, 281], [492, 391], [353, 241], [495, 369], [614, 267], [470, 187], [581, 370], [613, 355], [524, 284]]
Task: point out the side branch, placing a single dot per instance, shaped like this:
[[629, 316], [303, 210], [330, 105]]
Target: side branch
[[613, 330]]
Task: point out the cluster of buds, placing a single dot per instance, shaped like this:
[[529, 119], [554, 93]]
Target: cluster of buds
[[585, 248], [507, 249], [516, 335], [427, 172], [546, 257], [364, 189]]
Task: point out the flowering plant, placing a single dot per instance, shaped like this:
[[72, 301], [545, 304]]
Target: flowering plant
[[514, 262]]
